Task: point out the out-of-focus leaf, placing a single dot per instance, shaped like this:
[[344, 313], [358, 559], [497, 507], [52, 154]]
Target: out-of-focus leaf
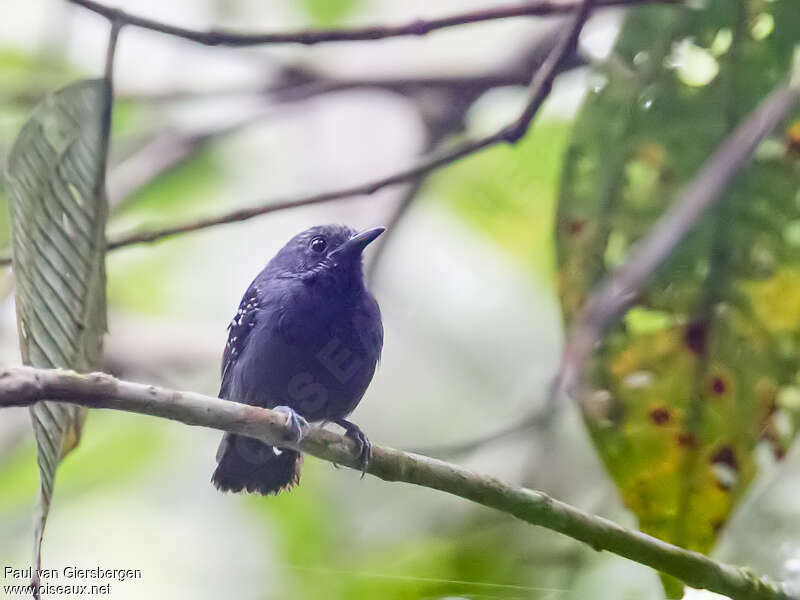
[[509, 193], [686, 387], [173, 194], [177, 194], [112, 456], [327, 13], [463, 560], [25, 76], [58, 215]]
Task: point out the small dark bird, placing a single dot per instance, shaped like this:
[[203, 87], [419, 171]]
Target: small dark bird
[[305, 342]]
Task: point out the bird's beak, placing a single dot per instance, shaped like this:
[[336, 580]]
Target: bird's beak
[[356, 244]]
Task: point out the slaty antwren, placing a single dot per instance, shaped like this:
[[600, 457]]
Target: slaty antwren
[[305, 341]]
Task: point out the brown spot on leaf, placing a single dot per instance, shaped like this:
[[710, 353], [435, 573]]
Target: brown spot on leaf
[[695, 336], [574, 226], [718, 385], [726, 456], [660, 415], [687, 439]]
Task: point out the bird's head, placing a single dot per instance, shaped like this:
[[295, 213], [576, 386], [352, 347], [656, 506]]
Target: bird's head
[[324, 252]]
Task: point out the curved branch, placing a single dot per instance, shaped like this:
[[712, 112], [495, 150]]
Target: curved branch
[[22, 386], [418, 27]]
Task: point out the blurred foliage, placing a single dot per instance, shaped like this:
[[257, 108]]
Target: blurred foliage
[[177, 193], [111, 456], [136, 282], [704, 369], [327, 13], [25, 76], [508, 193], [464, 560]]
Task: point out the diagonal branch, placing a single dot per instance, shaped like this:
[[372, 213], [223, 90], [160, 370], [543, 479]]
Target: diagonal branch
[[23, 386], [621, 287], [418, 27]]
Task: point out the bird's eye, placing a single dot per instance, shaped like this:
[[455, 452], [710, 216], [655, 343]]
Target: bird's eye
[[318, 244]]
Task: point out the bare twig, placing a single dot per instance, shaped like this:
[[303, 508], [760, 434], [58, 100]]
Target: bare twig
[[622, 286], [22, 386], [417, 27], [409, 194], [537, 420]]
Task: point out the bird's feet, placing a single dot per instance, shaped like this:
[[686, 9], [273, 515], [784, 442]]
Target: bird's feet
[[297, 424], [363, 445]]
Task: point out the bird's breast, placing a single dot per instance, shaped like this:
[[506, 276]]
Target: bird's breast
[[314, 352]]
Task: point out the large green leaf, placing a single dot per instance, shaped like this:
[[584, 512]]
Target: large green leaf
[[704, 368], [58, 215]]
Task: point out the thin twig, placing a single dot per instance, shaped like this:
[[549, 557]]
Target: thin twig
[[108, 75], [409, 194], [417, 27], [537, 420], [435, 133], [22, 386], [111, 49], [619, 289]]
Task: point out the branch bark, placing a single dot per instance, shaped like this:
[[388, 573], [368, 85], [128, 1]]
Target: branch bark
[[22, 386], [418, 27]]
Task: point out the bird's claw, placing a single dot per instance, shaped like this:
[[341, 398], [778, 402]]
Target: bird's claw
[[363, 445], [294, 422]]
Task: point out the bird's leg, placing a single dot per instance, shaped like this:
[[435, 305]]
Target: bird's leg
[[363, 444], [295, 422]]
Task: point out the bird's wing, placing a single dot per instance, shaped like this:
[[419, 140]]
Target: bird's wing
[[239, 330]]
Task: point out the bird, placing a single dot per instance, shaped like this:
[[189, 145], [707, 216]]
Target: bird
[[305, 341]]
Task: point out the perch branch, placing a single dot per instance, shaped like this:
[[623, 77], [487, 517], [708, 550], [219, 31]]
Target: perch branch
[[22, 386], [418, 27]]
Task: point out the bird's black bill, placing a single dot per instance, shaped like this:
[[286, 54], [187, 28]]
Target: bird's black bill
[[357, 243]]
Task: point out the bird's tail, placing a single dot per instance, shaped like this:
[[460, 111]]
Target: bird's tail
[[247, 464]]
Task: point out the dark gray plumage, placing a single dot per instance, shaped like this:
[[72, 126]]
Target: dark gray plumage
[[305, 340]]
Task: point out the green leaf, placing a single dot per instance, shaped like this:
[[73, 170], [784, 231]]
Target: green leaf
[[327, 13], [55, 183], [508, 193], [689, 384]]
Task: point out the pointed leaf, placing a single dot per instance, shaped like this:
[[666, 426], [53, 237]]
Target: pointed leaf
[[58, 216]]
